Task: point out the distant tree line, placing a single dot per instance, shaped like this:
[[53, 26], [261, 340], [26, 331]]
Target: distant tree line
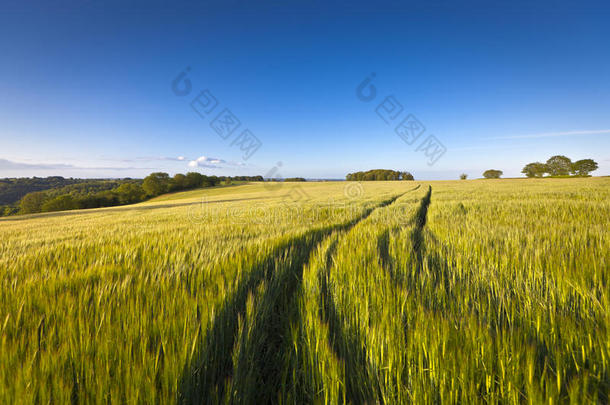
[[295, 179], [560, 166], [379, 174], [107, 193], [556, 166], [76, 188], [13, 189]]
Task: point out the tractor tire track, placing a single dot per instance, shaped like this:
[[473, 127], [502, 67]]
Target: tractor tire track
[[348, 346], [204, 379], [420, 222], [362, 384]]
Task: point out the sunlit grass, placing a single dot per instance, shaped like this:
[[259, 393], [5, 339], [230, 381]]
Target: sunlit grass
[[488, 291]]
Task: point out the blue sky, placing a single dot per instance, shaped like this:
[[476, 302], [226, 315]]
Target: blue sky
[[86, 87]]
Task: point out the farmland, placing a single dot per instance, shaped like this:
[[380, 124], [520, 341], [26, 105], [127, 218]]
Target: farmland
[[490, 291]]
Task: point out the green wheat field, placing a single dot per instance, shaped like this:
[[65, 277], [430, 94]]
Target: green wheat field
[[483, 291]]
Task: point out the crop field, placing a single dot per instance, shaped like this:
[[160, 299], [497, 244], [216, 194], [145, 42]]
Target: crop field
[[482, 291]]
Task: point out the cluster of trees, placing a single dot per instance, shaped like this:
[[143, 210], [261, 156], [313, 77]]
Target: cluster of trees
[[108, 193], [295, 179], [560, 166], [160, 183], [226, 179], [379, 174], [556, 166]]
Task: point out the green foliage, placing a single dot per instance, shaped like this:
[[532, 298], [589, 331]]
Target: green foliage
[[193, 180], [12, 190], [295, 179], [32, 202], [160, 183], [62, 203], [178, 182], [559, 165], [535, 169], [130, 193], [584, 167], [240, 178], [379, 174], [463, 176], [492, 174], [156, 184], [8, 210], [86, 194]]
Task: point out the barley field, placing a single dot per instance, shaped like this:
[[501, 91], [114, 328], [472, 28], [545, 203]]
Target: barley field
[[482, 291]]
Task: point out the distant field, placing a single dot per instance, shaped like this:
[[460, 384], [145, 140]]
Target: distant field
[[483, 291]]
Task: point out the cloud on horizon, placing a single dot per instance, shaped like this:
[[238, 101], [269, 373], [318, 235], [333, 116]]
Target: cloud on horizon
[[10, 165], [11, 168], [146, 159]]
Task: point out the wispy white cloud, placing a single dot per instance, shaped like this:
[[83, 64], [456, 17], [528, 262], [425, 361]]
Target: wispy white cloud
[[205, 161], [554, 134], [482, 147], [11, 165], [174, 159], [202, 161], [214, 163], [146, 159]]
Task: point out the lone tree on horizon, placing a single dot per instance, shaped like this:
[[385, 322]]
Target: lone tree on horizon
[[492, 174]]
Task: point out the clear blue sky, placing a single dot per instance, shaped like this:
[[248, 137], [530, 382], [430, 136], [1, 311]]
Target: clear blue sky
[[86, 87]]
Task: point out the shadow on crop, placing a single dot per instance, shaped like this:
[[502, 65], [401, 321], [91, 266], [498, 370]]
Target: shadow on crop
[[139, 207], [258, 375], [417, 238], [435, 284], [346, 344], [387, 262]]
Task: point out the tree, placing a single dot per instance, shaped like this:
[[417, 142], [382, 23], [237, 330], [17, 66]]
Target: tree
[[492, 174], [8, 210], [463, 176], [584, 167], [130, 193], [32, 202], [156, 184], [178, 182], [61, 203], [379, 174], [559, 165], [193, 180], [535, 169]]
